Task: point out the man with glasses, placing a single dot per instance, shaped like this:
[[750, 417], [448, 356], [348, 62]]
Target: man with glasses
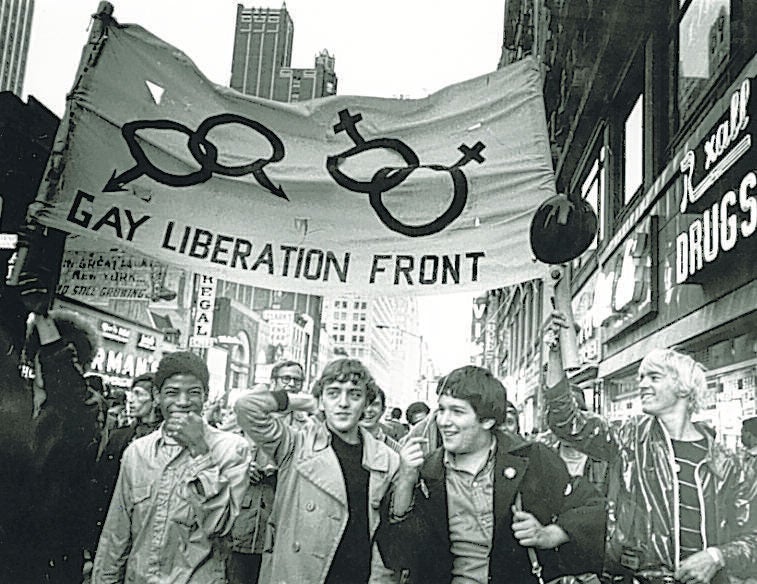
[[249, 529], [287, 376]]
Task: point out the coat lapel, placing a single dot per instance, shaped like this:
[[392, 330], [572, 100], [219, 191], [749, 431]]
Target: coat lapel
[[509, 470], [321, 467]]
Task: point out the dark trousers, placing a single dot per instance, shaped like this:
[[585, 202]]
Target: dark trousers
[[243, 568]]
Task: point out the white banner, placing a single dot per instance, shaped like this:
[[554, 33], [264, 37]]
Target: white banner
[[343, 193]]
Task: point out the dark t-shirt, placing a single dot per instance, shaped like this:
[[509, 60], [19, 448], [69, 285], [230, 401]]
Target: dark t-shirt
[[688, 455], [352, 561]]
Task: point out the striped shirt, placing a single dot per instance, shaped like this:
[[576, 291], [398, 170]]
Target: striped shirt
[[692, 515]]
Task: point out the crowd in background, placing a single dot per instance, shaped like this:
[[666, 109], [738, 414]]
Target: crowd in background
[[323, 484]]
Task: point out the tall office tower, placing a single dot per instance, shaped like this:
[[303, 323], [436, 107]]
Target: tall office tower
[[15, 26], [262, 46], [261, 63]]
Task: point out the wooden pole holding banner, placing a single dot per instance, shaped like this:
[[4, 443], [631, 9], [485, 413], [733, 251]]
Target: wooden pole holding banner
[[90, 53], [35, 242], [562, 302]]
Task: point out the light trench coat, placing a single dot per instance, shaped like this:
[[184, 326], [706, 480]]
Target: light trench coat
[[310, 509]]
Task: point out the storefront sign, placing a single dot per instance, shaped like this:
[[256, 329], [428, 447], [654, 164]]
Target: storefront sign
[[202, 336], [147, 342], [626, 290], [585, 317], [114, 332], [121, 364], [720, 187]]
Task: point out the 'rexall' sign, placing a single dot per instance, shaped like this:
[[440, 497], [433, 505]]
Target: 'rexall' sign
[[719, 192]]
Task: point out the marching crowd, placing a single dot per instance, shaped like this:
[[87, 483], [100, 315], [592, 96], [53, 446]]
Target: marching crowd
[[315, 485]]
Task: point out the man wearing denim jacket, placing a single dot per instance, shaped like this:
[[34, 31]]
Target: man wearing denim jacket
[[178, 491]]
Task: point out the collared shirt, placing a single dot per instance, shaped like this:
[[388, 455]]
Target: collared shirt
[[470, 509], [169, 511]]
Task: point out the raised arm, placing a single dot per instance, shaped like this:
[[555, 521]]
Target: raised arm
[[585, 431], [255, 411]]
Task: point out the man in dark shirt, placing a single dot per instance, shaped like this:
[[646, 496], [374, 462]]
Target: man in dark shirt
[[332, 477], [147, 418]]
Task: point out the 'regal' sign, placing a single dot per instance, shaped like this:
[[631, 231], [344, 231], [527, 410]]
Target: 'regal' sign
[[720, 189]]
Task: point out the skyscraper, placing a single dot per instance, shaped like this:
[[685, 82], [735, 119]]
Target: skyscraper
[[15, 26], [262, 46], [262, 59]]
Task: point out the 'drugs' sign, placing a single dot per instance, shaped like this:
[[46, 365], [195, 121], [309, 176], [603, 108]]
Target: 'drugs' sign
[[342, 193], [720, 193]]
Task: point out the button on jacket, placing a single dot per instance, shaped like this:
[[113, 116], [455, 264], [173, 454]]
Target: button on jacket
[[310, 510], [170, 511]]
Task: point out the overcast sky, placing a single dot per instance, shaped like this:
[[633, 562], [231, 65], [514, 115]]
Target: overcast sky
[[385, 48]]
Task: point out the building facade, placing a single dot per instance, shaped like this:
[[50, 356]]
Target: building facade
[[651, 113], [15, 29], [381, 331], [261, 64]]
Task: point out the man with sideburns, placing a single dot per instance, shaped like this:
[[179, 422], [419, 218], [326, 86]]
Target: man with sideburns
[[332, 477]]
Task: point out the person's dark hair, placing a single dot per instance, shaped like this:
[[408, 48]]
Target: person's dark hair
[[477, 386], [510, 407], [416, 408], [117, 397], [378, 393], [750, 425], [72, 329], [396, 413], [148, 377], [282, 364], [346, 370], [440, 384], [181, 362]]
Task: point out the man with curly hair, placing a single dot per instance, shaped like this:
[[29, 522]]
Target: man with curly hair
[[332, 477]]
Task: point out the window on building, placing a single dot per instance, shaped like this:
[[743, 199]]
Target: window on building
[[362, 316], [342, 327], [361, 339], [341, 338], [633, 150], [704, 46], [362, 328], [336, 303], [354, 338], [364, 305], [593, 190], [356, 305]]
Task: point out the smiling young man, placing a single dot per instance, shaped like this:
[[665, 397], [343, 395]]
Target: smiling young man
[[372, 416], [469, 512], [681, 505], [332, 477], [178, 491]]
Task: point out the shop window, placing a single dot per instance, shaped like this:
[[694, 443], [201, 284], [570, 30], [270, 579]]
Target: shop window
[[704, 46], [633, 150], [593, 188]]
